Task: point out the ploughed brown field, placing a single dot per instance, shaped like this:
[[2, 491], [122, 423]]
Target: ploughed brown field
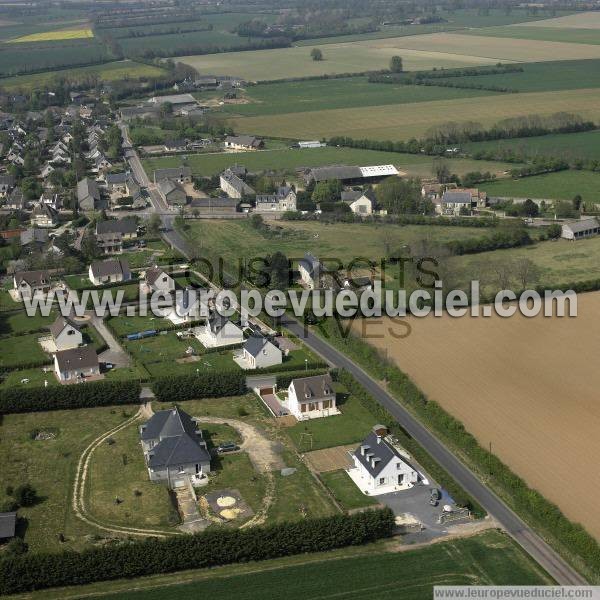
[[530, 386]]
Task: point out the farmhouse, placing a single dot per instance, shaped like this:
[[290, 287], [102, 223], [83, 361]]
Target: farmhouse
[[360, 203], [65, 334], [259, 353], [455, 203], [173, 447], [234, 186], [219, 331], [109, 271], [8, 524], [179, 174], [172, 192], [29, 283], [576, 230], [88, 195], [350, 175], [34, 239], [312, 397], [283, 199], [76, 363], [158, 280], [111, 234], [243, 142], [223, 205], [175, 145], [311, 271], [379, 467]]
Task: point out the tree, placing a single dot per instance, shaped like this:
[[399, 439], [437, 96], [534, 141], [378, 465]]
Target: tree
[[530, 208], [256, 221], [402, 196], [577, 202], [527, 272], [327, 191], [25, 495], [316, 54], [396, 64], [554, 231], [441, 171], [154, 223]]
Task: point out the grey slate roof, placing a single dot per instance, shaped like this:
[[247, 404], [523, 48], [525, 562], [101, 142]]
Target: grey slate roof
[[173, 173], [335, 172], [168, 423], [116, 178], [382, 452], [582, 225], [254, 344], [177, 143], [73, 359], [59, 325], [238, 184], [209, 203], [111, 267], [311, 264], [33, 278], [451, 197], [248, 141], [180, 450], [34, 235], [153, 273], [216, 322], [88, 187], [8, 522], [122, 226], [317, 386]]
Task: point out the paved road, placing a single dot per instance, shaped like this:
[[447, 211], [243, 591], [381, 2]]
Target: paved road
[[513, 524]]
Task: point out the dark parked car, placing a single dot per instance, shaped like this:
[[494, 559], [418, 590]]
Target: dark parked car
[[227, 447], [436, 496]]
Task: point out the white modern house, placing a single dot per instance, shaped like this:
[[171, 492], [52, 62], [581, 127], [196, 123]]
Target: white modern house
[[76, 364], [360, 203], [583, 228], [311, 271], [65, 334], [27, 284], [109, 271], [158, 280], [380, 467], [312, 397], [174, 448], [258, 353], [219, 331]]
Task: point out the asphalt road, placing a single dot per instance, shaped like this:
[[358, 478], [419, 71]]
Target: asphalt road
[[532, 543]]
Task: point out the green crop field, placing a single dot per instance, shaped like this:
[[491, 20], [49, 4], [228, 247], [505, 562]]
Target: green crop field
[[112, 71], [568, 146], [303, 96], [563, 185], [548, 34], [292, 159], [490, 558], [543, 76], [414, 120]]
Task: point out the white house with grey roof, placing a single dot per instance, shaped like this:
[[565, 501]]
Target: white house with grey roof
[[27, 284], [219, 331], [76, 364], [311, 271], [577, 230], [312, 397], [109, 271], [234, 186], [88, 195], [380, 467], [243, 142], [180, 174], [158, 280], [65, 334], [173, 447], [258, 353]]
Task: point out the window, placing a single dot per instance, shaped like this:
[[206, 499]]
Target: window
[[326, 403], [303, 407], [381, 480], [398, 466], [180, 468]]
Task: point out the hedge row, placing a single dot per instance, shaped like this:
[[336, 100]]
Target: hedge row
[[176, 388], [526, 501], [200, 550], [284, 379], [82, 395]]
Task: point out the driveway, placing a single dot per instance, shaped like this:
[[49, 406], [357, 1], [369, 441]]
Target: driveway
[[115, 354]]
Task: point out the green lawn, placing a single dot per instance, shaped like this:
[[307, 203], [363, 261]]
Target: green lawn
[[37, 377], [490, 558], [82, 284], [549, 34], [303, 96], [119, 491], [21, 350], [124, 324], [351, 426], [563, 185], [292, 159], [50, 467], [19, 322], [345, 491], [567, 146]]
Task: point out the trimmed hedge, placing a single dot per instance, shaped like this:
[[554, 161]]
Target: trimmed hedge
[[176, 388], [200, 550], [528, 502], [84, 395], [284, 379]]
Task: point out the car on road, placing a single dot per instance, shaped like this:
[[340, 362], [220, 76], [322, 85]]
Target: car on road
[[226, 447]]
